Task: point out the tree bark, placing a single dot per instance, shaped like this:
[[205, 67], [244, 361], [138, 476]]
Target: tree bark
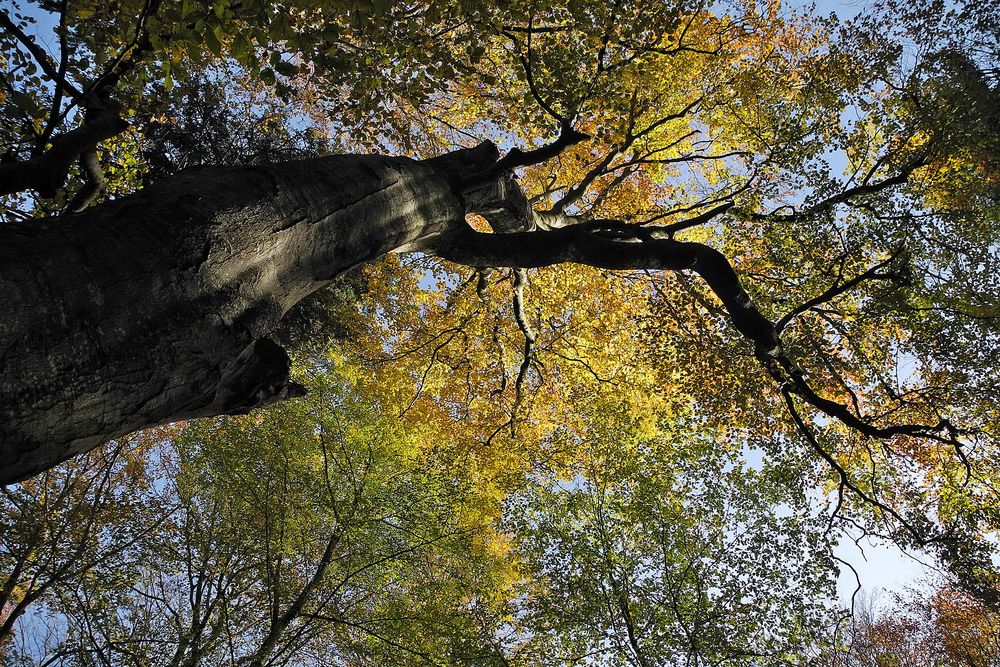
[[157, 307]]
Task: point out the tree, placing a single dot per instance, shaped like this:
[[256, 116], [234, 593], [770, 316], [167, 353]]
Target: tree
[[683, 142], [338, 542], [936, 627], [82, 521], [659, 554]]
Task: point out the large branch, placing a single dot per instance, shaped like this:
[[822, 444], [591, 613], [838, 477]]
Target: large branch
[[568, 136], [627, 248], [617, 246]]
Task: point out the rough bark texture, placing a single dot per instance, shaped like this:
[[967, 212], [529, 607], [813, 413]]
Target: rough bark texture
[[157, 307]]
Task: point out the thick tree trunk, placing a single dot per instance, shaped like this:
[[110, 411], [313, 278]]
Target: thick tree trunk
[[157, 307]]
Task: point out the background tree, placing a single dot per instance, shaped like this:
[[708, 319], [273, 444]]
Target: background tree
[[663, 549], [354, 539], [84, 521], [925, 627], [337, 543]]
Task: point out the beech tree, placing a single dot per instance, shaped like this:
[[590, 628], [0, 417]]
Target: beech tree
[[688, 150]]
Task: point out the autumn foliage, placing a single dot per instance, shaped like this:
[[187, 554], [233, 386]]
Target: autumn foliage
[[568, 464]]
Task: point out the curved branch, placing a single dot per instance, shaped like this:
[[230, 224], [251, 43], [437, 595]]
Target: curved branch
[[47, 172], [95, 184], [526, 65], [626, 248], [615, 245]]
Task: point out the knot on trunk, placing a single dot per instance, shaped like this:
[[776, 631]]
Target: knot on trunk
[[257, 377]]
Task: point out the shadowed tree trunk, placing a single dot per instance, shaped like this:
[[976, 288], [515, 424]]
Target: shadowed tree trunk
[[157, 307]]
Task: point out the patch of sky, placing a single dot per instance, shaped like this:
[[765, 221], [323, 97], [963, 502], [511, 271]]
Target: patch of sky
[[878, 567]]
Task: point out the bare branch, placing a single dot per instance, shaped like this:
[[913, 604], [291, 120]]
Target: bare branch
[[701, 204], [699, 219], [604, 166]]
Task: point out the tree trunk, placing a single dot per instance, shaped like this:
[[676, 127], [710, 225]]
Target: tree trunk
[[157, 307]]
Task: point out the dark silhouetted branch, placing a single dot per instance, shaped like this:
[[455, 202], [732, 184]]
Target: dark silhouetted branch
[[47, 172]]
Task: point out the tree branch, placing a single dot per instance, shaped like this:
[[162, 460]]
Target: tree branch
[[47, 172], [874, 273], [95, 183], [526, 64], [568, 136], [38, 53], [520, 278], [606, 245], [615, 245], [699, 219], [574, 193], [129, 54], [846, 195], [54, 115]]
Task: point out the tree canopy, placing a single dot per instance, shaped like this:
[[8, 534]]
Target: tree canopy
[[550, 332]]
